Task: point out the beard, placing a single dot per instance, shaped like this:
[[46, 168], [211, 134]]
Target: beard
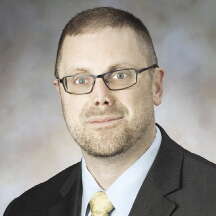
[[104, 143], [109, 142]]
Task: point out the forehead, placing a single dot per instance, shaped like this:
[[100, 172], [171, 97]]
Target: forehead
[[98, 50]]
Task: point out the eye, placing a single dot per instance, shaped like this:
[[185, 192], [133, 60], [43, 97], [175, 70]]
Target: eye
[[120, 75], [82, 80]]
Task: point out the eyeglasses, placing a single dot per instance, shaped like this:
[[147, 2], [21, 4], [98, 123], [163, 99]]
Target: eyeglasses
[[114, 80]]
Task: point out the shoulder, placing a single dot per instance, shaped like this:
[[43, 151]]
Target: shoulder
[[197, 190], [191, 162], [197, 174], [194, 175], [194, 166], [199, 169], [45, 193]]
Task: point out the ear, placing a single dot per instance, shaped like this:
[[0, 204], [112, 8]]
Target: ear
[[157, 86], [56, 85]]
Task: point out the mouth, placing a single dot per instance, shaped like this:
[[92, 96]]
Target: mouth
[[101, 120], [104, 122]]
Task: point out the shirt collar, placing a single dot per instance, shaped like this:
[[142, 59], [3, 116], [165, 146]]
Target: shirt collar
[[122, 197], [90, 186]]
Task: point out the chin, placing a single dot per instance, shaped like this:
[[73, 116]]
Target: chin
[[105, 153]]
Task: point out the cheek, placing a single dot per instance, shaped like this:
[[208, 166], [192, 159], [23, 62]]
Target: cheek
[[138, 102], [72, 106], [129, 100]]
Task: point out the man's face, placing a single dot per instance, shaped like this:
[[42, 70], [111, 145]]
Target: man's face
[[88, 117]]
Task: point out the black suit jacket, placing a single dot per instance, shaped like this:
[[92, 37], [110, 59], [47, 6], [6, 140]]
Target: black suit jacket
[[179, 183]]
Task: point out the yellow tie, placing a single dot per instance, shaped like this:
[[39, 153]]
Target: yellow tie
[[100, 204]]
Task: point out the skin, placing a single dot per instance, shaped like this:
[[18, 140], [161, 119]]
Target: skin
[[110, 148]]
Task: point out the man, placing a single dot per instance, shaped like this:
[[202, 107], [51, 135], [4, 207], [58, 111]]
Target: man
[[109, 81]]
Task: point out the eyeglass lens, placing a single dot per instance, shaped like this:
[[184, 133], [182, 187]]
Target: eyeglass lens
[[83, 83]]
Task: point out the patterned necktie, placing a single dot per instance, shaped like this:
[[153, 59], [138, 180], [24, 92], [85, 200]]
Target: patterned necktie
[[100, 204]]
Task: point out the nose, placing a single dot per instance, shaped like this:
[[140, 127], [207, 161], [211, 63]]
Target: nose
[[102, 96]]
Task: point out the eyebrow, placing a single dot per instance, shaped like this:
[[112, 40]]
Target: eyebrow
[[120, 66], [112, 67]]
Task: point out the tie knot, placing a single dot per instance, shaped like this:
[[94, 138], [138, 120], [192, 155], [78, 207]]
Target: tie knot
[[100, 204]]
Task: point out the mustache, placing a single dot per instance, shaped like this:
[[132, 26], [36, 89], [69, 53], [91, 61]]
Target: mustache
[[93, 111]]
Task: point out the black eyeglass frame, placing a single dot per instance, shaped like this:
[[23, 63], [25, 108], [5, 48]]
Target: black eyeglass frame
[[102, 76]]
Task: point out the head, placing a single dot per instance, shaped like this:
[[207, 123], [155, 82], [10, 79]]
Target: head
[[94, 42]]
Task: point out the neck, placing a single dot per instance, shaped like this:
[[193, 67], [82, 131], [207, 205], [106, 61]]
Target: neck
[[106, 170]]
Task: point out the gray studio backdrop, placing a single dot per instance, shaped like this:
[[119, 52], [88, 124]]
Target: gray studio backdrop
[[34, 140]]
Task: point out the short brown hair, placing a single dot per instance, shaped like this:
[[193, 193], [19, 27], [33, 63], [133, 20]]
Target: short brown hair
[[98, 18]]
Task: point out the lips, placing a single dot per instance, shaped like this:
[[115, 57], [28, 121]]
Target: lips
[[103, 119]]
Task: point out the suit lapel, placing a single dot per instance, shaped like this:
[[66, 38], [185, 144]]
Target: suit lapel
[[70, 196], [150, 202], [162, 180]]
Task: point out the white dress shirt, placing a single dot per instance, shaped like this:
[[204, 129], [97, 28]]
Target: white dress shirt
[[123, 191]]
